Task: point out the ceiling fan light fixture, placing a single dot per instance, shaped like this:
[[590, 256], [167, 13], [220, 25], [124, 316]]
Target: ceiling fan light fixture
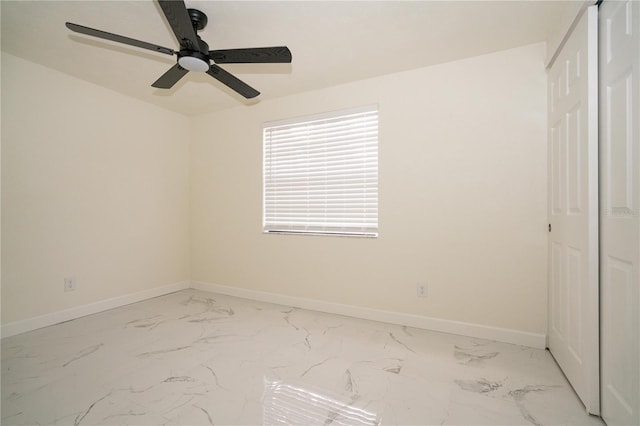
[[193, 63]]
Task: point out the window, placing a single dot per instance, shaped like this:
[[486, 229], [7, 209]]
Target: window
[[321, 174]]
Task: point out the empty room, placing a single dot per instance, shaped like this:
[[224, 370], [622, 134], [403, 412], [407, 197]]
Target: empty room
[[320, 212]]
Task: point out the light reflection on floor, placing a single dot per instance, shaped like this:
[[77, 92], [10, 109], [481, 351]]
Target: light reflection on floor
[[293, 402]]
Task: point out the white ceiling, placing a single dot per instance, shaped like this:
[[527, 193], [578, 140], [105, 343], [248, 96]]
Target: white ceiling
[[332, 42]]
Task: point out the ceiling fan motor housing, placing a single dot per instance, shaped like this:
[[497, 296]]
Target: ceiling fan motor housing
[[193, 60]]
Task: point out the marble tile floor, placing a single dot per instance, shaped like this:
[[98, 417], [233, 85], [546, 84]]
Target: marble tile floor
[[198, 358]]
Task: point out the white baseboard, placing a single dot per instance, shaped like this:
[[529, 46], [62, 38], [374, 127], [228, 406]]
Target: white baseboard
[[506, 335], [17, 327], [436, 324]]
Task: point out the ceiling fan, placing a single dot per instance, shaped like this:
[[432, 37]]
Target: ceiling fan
[[194, 53]]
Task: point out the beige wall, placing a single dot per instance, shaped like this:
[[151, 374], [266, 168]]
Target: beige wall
[[94, 184], [462, 197]]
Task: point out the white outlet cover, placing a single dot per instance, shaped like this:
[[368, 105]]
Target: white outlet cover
[[69, 283], [421, 289]]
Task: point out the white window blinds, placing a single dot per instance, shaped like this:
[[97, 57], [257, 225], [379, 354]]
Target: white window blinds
[[321, 174]]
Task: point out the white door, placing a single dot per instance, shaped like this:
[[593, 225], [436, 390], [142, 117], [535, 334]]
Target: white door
[[573, 209], [620, 211]]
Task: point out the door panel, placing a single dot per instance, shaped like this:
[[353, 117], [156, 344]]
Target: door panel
[[557, 159], [558, 294], [574, 269], [620, 211], [618, 96], [574, 161], [573, 210]]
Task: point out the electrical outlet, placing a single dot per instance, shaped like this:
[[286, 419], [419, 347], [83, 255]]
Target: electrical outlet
[[69, 283], [422, 289]]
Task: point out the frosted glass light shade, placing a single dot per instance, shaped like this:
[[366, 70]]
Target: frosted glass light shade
[[193, 64]]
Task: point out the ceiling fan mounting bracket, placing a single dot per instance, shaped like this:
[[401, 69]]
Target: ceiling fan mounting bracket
[[198, 19]]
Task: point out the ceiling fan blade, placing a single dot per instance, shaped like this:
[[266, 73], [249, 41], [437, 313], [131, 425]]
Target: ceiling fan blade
[[170, 77], [232, 82], [178, 18], [257, 55], [118, 38]]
